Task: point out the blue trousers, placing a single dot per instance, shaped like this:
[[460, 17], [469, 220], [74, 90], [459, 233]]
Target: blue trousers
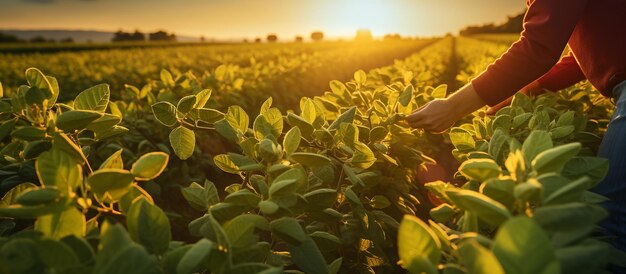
[[613, 186]]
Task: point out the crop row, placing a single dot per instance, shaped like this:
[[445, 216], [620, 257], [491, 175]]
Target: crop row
[[336, 185], [242, 71]]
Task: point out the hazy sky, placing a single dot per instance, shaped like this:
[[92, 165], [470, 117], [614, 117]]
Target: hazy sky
[[250, 18]]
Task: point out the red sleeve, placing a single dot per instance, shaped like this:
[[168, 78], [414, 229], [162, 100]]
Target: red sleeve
[[564, 74], [548, 24]]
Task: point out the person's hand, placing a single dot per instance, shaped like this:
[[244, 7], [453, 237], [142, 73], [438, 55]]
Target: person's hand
[[434, 116], [439, 115]]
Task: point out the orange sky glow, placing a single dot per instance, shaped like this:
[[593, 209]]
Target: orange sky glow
[[255, 18]]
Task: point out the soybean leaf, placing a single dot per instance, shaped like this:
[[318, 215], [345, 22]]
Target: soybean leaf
[[523, 248], [183, 141], [165, 113], [95, 98], [149, 226], [149, 166]]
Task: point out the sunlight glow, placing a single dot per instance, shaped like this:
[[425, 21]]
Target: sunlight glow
[[350, 15]]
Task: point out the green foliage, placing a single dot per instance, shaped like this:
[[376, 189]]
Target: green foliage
[[333, 185]]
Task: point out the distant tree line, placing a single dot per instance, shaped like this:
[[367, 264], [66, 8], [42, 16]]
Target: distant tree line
[[8, 38], [512, 25], [121, 36]]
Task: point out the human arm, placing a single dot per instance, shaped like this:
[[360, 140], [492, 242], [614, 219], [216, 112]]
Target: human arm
[[548, 24], [564, 74]]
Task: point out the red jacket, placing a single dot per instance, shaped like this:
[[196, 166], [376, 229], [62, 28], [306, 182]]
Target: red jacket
[[596, 33]]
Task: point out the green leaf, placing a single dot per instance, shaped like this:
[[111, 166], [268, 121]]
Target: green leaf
[[114, 161], [166, 78], [440, 91], [310, 159], [29, 133], [593, 167], [238, 119], [554, 159], [183, 141], [406, 96], [571, 192], [149, 226], [208, 115], [56, 255], [61, 224], [165, 113], [6, 127], [56, 168], [537, 141], [11, 195], [360, 77], [149, 166], [76, 119], [289, 230], [478, 259], [186, 104], [305, 127], [268, 125], [268, 207], [308, 257], [202, 98], [110, 133], [38, 196], [95, 98], [417, 243], [337, 87], [283, 187], [119, 254], [37, 80], [561, 132], [462, 139], [236, 163], [480, 169], [291, 142], [522, 247], [500, 190], [346, 117], [243, 197], [110, 184], [321, 198], [568, 217], [487, 209], [105, 122], [442, 213], [200, 197], [363, 156]]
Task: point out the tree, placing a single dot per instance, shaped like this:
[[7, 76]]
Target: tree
[[257, 40], [162, 36], [122, 36], [138, 36], [40, 39], [299, 39], [7, 38], [317, 36], [67, 40], [394, 36], [272, 38], [363, 35], [512, 25]]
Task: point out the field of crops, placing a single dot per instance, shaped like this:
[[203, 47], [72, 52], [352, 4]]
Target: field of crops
[[292, 158]]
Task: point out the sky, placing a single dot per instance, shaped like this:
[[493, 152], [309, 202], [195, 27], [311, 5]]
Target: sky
[[256, 18]]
